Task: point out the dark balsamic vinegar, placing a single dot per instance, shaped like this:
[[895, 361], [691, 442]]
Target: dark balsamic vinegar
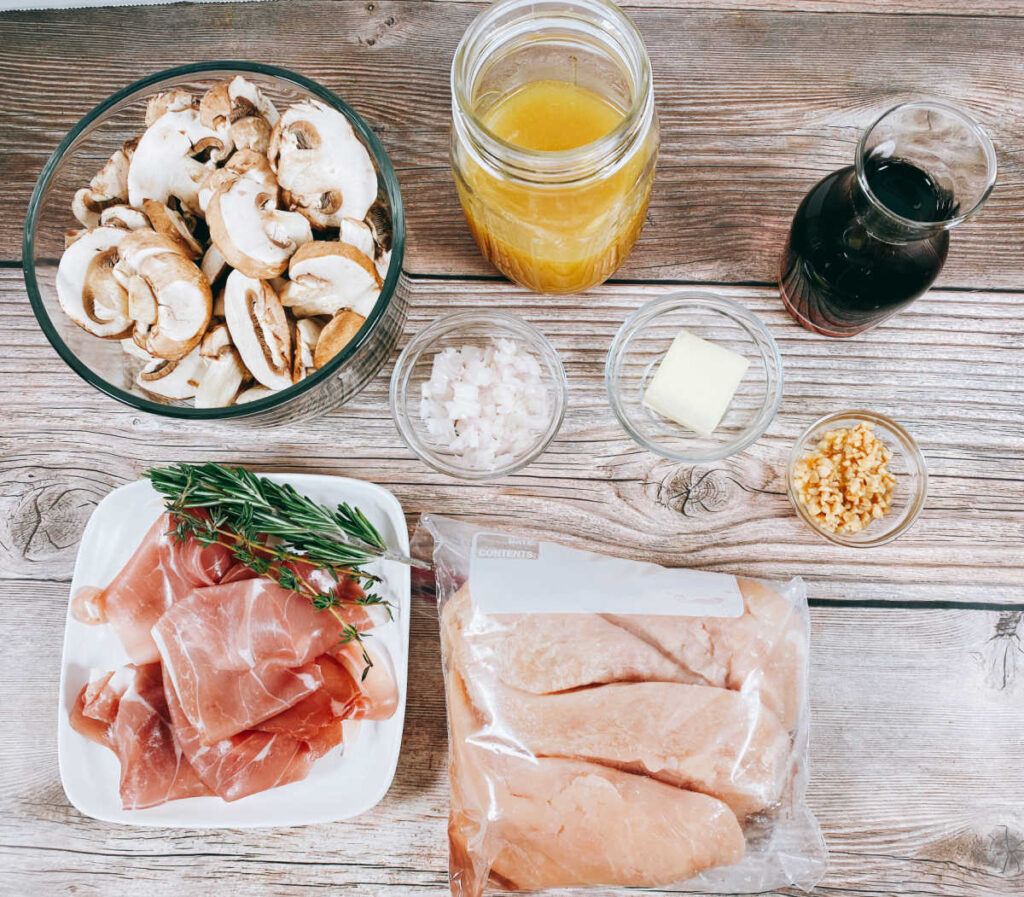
[[848, 264]]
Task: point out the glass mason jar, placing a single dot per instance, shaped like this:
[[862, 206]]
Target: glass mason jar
[[563, 220], [871, 238]]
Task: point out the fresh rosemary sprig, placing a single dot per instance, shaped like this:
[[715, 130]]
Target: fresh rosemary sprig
[[253, 505], [239, 509]]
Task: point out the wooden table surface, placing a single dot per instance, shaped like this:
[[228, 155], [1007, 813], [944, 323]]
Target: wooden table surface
[[918, 660]]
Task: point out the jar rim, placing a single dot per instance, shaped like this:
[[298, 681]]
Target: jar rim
[[979, 134], [485, 34]]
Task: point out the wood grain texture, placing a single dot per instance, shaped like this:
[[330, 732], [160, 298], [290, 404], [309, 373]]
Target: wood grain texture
[[750, 116], [948, 369], [918, 705], [915, 765]]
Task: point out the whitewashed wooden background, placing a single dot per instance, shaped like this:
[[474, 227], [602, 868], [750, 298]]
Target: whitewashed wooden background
[[918, 659]]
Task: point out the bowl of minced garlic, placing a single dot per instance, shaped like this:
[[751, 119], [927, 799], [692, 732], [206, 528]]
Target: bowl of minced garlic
[[858, 478]]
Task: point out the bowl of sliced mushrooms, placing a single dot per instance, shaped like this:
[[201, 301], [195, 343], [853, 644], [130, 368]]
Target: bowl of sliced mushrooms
[[220, 241]]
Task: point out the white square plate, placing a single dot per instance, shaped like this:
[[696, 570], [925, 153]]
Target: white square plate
[[341, 784]]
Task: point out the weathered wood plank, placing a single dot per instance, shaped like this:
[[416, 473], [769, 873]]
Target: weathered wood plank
[[750, 118], [948, 369], [914, 774]]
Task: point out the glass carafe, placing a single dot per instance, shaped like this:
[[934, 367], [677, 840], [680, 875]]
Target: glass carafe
[[871, 238]]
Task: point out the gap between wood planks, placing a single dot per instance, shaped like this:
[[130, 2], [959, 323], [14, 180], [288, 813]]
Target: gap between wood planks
[[15, 264]]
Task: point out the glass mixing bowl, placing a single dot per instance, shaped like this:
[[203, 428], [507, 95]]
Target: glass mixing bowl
[[102, 362]]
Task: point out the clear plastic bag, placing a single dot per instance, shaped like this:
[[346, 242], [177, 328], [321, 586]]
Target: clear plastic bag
[[623, 725]]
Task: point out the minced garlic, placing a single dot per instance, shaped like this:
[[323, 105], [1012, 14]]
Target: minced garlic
[[845, 483]]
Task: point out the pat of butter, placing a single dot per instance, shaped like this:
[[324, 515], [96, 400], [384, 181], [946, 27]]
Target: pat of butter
[[695, 383]]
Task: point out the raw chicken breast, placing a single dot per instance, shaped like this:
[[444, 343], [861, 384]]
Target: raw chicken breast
[[238, 654], [712, 740], [161, 571], [546, 823], [543, 653], [127, 712], [762, 652]]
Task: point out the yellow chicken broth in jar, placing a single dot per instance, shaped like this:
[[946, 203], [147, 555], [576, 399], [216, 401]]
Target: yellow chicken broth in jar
[[554, 177]]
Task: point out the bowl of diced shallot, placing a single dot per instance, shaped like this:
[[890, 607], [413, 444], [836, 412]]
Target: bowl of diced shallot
[[478, 394]]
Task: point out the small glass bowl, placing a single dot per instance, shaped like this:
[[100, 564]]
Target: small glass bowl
[[456, 330], [907, 466], [101, 362], [639, 348]]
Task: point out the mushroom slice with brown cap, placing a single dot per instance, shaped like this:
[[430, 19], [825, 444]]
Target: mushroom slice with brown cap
[[223, 372], [253, 235], [86, 287], [323, 168], [259, 329], [327, 277], [169, 223], [307, 333], [173, 100], [125, 217], [178, 379], [336, 335], [108, 187], [164, 164], [245, 163], [240, 113], [157, 268]]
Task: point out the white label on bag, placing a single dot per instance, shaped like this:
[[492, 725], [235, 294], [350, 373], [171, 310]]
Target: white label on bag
[[511, 575]]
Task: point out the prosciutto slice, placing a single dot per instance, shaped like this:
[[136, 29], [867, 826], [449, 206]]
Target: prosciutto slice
[[127, 712], [245, 763], [238, 654], [161, 571]]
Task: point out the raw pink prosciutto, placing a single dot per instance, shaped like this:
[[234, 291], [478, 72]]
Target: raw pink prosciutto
[[127, 712], [245, 763], [238, 654], [161, 571], [237, 685]]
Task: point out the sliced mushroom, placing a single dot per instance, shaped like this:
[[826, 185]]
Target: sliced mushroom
[[246, 163], [130, 347], [159, 272], [307, 332], [86, 287], [250, 231], [259, 329], [223, 372], [253, 394], [108, 187], [214, 265], [177, 379], [72, 236], [240, 113], [323, 168], [164, 163], [327, 277], [336, 335], [358, 234], [382, 264], [172, 100], [169, 223], [125, 217]]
